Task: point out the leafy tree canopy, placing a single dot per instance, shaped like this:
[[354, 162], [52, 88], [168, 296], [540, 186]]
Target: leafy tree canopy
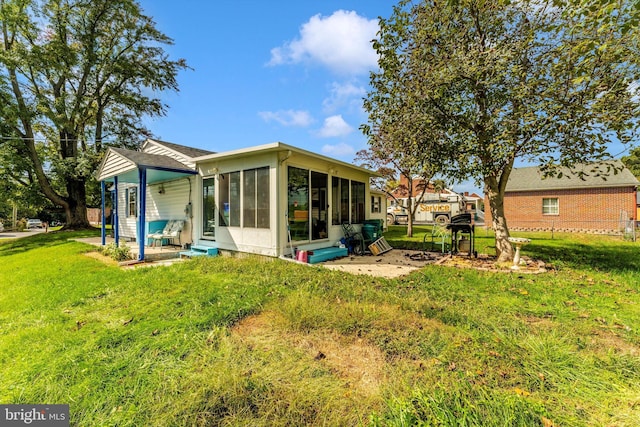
[[75, 74], [632, 162], [548, 82]]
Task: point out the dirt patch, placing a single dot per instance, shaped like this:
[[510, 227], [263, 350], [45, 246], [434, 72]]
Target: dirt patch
[[100, 257], [359, 364], [395, 263], [400, 262]]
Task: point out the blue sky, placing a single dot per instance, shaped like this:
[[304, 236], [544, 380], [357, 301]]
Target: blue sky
[[289, 71]]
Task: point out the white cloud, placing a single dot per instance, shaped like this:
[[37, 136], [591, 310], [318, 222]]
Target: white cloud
[[289, 118], [347, 94], [341, 42], [334, 126], [338, 150]]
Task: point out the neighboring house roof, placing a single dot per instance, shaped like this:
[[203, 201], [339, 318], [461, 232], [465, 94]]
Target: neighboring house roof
[[182, 149], [597, 175], [125, 164]]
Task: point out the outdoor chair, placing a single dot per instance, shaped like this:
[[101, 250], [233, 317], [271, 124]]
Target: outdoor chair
[[439, 239], [353, 239], [171, 231]]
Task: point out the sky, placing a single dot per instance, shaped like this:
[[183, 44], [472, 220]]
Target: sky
[[266, 71]]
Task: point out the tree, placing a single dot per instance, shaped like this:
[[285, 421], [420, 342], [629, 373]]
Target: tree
[[401, 140], [544, 82], [632, 162], [74, 74]]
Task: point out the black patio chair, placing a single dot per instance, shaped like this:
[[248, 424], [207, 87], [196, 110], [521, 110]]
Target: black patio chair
[[354, 239]]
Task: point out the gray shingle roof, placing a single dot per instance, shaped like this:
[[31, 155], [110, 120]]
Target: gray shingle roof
[[151, 160], [183, 149], [601, 174]]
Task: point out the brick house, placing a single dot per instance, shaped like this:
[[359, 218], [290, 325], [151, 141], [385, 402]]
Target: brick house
[[595, 204]]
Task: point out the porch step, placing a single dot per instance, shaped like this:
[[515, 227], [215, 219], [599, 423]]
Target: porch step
[[197, 250], [325, 254]]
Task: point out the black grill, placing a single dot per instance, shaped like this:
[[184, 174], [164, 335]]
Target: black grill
[[462, 224]]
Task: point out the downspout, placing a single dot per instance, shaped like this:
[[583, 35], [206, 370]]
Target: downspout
[[142, 175]]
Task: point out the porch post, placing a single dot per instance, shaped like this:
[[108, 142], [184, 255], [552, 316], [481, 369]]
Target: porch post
[[116, 221], [142, 174], [103, 226]]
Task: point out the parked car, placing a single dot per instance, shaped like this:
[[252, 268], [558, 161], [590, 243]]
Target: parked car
[[34, 223]]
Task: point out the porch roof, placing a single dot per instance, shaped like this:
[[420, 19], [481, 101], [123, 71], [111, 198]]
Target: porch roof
[[125, 164]]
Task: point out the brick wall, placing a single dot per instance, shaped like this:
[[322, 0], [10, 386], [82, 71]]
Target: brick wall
[[588, 209]]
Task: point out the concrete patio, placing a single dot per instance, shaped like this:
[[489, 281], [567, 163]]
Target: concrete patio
[[151, 253]]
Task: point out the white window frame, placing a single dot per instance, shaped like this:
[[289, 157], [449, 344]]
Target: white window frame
[[550, 206]]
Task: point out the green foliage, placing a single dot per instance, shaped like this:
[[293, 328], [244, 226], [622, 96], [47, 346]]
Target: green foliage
[[632, 162], [21, 224], [120, 252], [503, 80], [72, 72], [254, 341]]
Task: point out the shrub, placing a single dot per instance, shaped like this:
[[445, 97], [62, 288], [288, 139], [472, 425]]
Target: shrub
[[118, 253], [21, 224]]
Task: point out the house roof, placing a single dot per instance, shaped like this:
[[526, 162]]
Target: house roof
[[182, 149], [125, 163], [597, 175], [283, 148]]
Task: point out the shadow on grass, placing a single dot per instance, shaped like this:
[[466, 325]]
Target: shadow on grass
[[54, 238], [573, 251], [606, 257]]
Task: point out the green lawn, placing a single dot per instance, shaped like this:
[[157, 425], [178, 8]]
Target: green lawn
[[248, 341]]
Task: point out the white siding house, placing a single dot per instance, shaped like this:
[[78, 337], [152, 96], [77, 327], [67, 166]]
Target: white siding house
[[263, 200]]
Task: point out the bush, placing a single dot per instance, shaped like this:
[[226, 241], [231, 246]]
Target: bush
[[21, 224], [118, 253]]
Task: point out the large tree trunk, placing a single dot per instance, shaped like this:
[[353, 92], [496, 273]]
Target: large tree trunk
[[76, 207], [495, 194]]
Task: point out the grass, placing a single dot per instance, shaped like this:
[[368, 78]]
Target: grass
[[246, 341]]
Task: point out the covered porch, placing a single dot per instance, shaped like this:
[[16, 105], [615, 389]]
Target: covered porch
[[127, 168]]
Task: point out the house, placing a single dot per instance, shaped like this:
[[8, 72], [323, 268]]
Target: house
[[266, 200], [598, 202]]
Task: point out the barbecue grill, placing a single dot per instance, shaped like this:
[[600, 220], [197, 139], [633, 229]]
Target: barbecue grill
[[462, 224]]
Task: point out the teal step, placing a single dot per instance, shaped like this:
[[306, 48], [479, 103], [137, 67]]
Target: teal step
[[325, 254]]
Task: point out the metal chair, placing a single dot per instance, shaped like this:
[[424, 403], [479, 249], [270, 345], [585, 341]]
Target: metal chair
[[354, 239], [439, 238]]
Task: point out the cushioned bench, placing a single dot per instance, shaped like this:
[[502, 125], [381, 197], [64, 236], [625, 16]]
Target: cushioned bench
[[325, 254], [197, 250]]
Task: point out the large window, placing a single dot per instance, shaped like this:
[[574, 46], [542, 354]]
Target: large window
[[308, 204], [298, 203], [348, 201], [132, 201], [208, 208], [229, 199], [550, 206], [255, 198], [339, 200], [357, 202], [319, 205]]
